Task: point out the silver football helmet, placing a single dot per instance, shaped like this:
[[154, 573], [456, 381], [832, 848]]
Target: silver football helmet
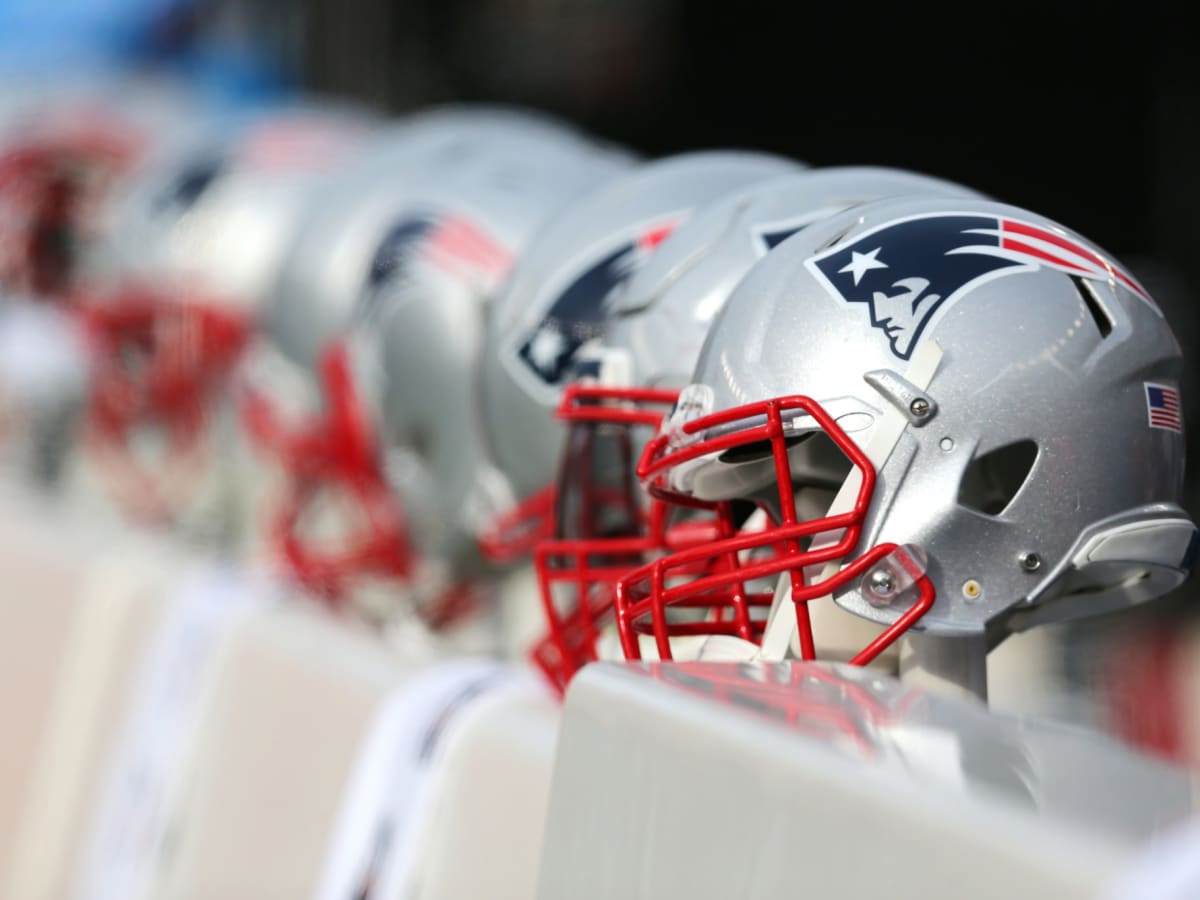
[[64, 146], [173, 292], [360, 224], [556, 306], [991, 401], [67, 144], [603, 526], [384, 297]]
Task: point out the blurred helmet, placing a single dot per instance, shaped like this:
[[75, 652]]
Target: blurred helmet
[[384, 297], [990, 400], [603, 525], [360, 225], [64, 146], [557, 305], [191, 247]]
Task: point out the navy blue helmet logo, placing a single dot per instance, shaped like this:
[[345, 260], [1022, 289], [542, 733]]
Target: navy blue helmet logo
[[905, 271], [396, 248], [392, 261], [581, 310], [450, 243]]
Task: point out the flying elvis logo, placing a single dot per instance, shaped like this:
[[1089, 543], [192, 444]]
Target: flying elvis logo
[[907, 270], [448, 242], [579, 312]]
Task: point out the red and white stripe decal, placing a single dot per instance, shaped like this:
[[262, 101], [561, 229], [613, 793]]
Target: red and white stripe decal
[[1051, 248], [456, 243]]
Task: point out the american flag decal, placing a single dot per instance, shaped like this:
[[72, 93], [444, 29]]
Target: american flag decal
[[1162, 406]]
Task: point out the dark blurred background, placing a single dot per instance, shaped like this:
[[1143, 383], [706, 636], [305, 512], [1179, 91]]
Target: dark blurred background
[[1087, 113]]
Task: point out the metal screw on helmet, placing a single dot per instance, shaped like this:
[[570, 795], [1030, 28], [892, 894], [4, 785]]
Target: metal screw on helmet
[[919, 407], [882, 583], [1030, 562]]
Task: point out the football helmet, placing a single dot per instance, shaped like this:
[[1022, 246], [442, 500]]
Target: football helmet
[[63, 147], [990, 399], [603, 526], [383, 300], [555, 308], [191, 247]]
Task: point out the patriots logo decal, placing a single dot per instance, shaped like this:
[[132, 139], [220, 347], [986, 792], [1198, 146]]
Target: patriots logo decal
[[905, 271], [580, 311], [449, 243], [391, 260], [395, 248]]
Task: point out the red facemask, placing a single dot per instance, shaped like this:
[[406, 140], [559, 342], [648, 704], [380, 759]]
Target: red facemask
[[49, 187], [334, 450], [648, 600], [602, 526], [156, 364], [337, 452]]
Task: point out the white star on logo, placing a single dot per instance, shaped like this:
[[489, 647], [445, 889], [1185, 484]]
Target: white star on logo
[[545, 348], [861, 263]]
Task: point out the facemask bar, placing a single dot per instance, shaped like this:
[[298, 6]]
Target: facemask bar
[[644, 597], [156, 364]]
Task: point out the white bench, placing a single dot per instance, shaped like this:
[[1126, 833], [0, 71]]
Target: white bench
[[706, 780], [78, 597]]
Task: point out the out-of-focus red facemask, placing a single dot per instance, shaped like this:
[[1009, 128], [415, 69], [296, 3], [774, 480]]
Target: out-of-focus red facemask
[[602, 524], [49, 188], [338, 452], [157, 363]]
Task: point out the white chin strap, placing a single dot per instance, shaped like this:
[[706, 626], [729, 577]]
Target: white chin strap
[[781, 622]]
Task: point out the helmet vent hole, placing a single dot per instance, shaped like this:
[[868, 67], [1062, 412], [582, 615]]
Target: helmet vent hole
[[1099, 314], [992, 480]]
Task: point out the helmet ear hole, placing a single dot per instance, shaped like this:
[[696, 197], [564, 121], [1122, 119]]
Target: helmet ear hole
[[992, 480]]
